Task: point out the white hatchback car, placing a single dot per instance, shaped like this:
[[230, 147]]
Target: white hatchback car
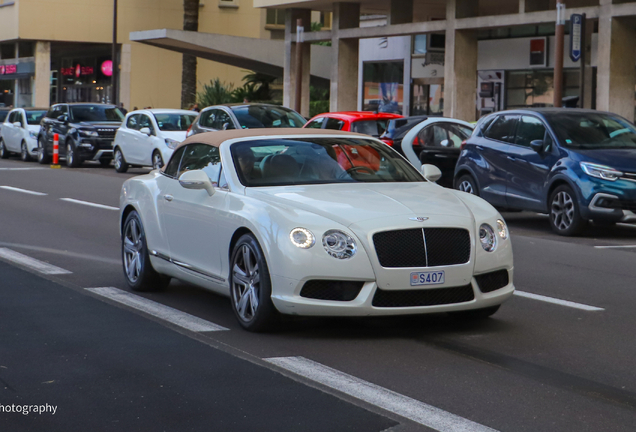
[[20, 133], [148, 137], [309, 222]]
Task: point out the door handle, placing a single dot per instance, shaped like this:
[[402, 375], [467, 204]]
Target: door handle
[[168, 197]]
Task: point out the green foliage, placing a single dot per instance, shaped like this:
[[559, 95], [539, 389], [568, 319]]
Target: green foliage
[[215, 93], [316, 26], [318, 100]]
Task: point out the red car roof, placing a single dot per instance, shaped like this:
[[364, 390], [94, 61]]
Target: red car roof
[[352, 116]]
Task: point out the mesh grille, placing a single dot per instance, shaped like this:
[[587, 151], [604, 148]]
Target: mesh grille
[[492, 281], [107, 133], [331, 290], [447, 246], [403, 248], [423, 297], [406, 248]]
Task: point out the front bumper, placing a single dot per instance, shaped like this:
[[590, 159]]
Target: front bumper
[[609, 207], [362, 305], [95, 148]]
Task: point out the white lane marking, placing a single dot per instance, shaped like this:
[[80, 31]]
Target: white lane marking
[[102, 206], [15, 189], [62, 252], [21, 169], [158, 310], [401, 405], [32, 263], [558, 301], [615, 247]]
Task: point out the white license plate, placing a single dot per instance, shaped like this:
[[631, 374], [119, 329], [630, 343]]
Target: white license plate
[[427, 278]]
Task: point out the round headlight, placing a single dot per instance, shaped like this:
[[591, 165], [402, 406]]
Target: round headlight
[[339, 244], [487, 238], [502, 229], [302, 238]]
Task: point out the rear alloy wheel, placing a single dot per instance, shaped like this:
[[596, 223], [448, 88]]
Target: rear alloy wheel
[[24, 153], [157, 160], [43, 157], [72, 159], [250, 286], [120, 163], [565, 217], [466, 183], [137, 268], [4, 154]]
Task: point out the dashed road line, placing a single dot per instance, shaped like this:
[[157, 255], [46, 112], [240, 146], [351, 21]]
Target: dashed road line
[[87, 203], [615, 247], [166, 313], [32, 263], [26, 191], [21, 169], [381, 397], [557, 301]]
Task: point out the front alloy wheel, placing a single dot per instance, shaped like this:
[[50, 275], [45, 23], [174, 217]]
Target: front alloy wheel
[[72, 161], [4, 154], [466, 184], [24, 153], [251, 288], [43, 157], [565, 217], [120, 164], [157, 160]]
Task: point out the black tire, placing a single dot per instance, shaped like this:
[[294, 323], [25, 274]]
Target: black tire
[[4, 153], [24, 152], [43, 156], [138, 270], [105, 162], [120, 163], [564, 212], [72, 159], [467, 183], [476, 314], [251, 279], [157, 160]]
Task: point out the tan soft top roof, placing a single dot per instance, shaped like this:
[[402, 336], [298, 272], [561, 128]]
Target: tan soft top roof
[[218, 137]]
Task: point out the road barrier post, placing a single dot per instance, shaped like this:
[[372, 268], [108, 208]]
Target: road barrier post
[[56, 151]]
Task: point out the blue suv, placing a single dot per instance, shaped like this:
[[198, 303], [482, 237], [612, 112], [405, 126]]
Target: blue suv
[[575, 165]]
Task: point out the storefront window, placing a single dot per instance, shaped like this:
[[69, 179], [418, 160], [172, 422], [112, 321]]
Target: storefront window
[[535, 88], [427, 99], [383, 87], [85, 79]]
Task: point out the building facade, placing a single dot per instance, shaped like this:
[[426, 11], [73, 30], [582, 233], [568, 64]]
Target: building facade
[[60, 50], [464, 58]]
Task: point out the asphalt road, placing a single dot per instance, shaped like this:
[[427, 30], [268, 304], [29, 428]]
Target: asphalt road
[[561, 362]]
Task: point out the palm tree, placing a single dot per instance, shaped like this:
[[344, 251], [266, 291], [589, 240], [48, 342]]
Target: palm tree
[[189, 62]]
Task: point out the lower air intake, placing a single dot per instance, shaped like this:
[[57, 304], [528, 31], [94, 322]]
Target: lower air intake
[[331, 290], [423, 297]]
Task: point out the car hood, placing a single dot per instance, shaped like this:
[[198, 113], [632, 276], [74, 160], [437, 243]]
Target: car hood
[[348, 204], [98, 124], [620, 159]]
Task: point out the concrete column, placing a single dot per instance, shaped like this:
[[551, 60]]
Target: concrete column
[[124, 75], [401, 12], [460, 69], [344, 67], [289, 81], [42, 84], [589, 79], [616, 77]]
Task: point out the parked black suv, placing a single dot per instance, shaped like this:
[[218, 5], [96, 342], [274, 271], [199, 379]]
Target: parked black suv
[[86, 132]]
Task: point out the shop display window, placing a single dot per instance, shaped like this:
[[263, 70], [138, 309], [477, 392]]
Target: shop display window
[[535, 88], [383, 87]]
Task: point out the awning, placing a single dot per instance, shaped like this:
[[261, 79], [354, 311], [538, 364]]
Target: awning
[[259, 55]]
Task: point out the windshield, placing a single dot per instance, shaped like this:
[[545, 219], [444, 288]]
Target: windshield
[[96, 113], [34, 117], [588, 131], [174, 122], [369, 127], [282, 162], [259, 116]]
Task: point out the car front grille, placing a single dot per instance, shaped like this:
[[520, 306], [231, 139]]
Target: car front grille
[[331, 290], [423, 297], [489, 282], [628, 205], [107, 133], [427, 247]]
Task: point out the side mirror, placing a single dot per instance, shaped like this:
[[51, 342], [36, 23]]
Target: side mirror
[[17, 124], [196, 179], [145, 130], [445, 143], [537, 145], [431, 172]]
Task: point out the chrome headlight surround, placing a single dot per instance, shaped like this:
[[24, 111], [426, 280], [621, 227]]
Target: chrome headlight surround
[[502, 229], [487, 238], [603, 172], [302, 238], [339, 244], [172, 144]]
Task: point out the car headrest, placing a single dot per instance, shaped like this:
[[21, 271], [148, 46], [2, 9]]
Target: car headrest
[[278, 166]]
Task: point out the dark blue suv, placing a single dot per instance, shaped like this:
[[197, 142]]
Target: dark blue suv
[[575, 165]]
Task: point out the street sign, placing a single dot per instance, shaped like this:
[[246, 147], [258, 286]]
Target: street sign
[[576, 25]]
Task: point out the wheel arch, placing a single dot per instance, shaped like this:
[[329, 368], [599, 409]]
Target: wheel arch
[[124, 214], [235, 238], [464, 170]]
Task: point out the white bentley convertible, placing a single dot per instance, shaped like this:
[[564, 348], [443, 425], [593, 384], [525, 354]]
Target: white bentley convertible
[[305, 222]]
